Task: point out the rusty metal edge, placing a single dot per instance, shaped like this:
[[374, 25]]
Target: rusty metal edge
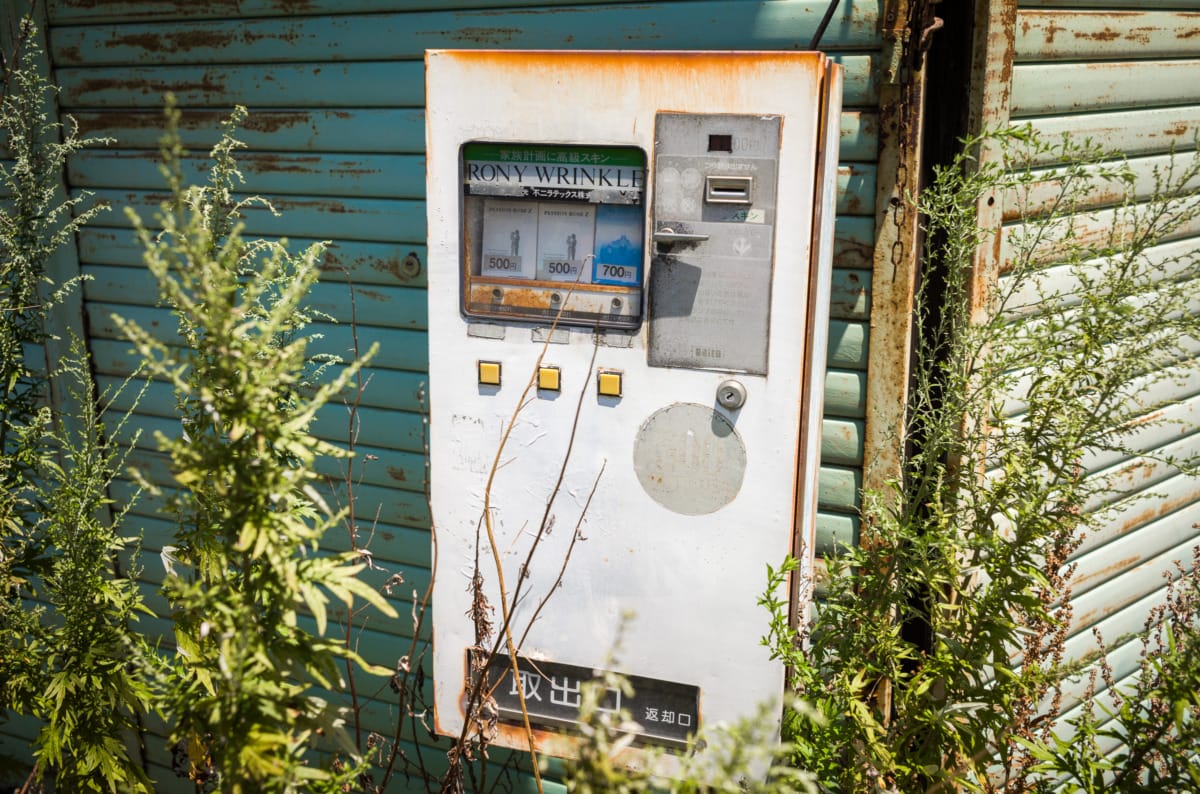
[[895, 264], [896, 258], [993, 52], [802, 583]]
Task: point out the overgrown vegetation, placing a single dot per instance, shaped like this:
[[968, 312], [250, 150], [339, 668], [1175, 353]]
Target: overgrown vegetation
[[936, 663], [745, 757], [938, 656], [249, 585], [1147, 736], [240, 694], [87, 685], [66, 610]]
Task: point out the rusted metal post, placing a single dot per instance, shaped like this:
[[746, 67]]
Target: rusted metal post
[[991, 87], [895, 258]]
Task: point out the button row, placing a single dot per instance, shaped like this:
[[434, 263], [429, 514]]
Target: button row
[[608, 382]]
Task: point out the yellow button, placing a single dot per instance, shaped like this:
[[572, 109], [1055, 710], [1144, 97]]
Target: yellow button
[[609, 384], [489, 373], [548, 378]]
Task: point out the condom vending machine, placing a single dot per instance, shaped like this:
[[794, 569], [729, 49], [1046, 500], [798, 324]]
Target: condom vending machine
[[629, 266]]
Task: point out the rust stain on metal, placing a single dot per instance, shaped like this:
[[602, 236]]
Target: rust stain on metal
[[375, 295], [1107, 571], [335, 207], [1141, 35], [1053, 30], [332, 262], [295, 164], [1156, 510], [1002, 43], [264, 121], [165, 8], [670, 63], [144, 86], [398, 475], [1137, 473], [269, 121], [1108, 34], [1150, 418], [479, 35], [104, 121], [1084, 232], [522, 298], [854, 204], [170, 41], [177, 40], [1042, 196], [390, 265], [893, 256], [354, 168], [1089, 618], [544, 742], [298, 6]]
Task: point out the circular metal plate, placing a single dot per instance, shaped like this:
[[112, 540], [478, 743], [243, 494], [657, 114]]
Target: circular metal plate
[[689, 459]]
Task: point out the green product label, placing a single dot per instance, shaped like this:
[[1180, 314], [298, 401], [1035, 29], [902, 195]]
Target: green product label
[[628, 156]]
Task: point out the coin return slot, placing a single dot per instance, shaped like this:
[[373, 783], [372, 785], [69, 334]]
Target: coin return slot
[[728, 189]]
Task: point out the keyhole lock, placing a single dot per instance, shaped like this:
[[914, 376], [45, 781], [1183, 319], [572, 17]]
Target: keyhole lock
[[731, 395]]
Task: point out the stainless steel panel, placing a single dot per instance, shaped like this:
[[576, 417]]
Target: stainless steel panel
[[710, 278]]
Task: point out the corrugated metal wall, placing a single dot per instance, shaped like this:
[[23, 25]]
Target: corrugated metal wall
[[335, 139], [1127, 75]]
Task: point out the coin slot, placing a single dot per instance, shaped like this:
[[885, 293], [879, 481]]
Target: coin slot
[[728, 189]]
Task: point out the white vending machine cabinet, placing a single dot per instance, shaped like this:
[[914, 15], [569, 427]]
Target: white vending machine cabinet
[[629, 265]]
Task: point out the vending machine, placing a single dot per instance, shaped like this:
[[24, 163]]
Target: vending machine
[[629, 266]]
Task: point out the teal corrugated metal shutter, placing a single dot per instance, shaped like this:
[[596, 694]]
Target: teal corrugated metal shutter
[[335, 139], [1130, 80]]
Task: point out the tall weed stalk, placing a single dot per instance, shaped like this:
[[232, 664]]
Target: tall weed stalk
[[89, 686], [69, 654], [35, 220], [1146, 738], [250, 587]]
